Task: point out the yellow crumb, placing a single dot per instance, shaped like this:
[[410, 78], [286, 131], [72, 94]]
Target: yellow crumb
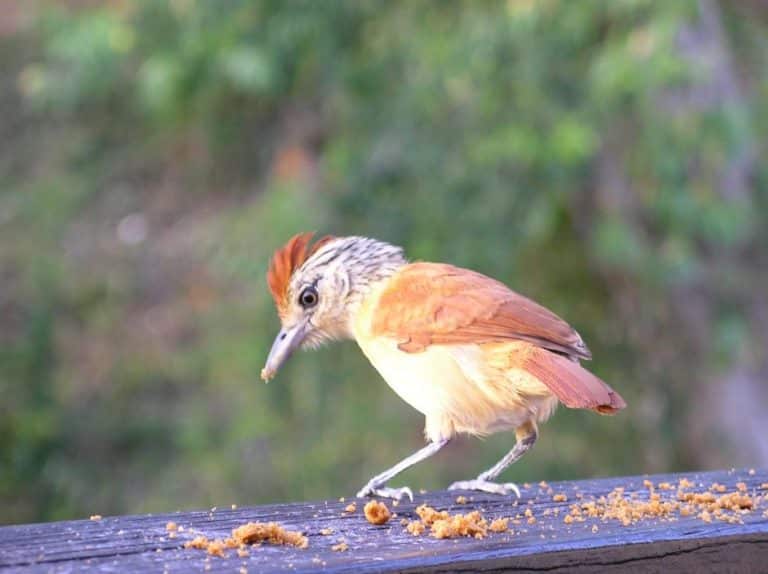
[[340, 547], [415, 527], [270, 532], [499, 525], [560, 498], [326, 531], [377, 512], [95, 517], [461, 500], [171, 527], [251, 533], [351, 507]]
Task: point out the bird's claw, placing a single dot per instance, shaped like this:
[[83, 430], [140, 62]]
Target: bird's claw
[[486, 486], [385, 492]]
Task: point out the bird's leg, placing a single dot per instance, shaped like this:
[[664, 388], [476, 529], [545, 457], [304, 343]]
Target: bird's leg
[[375, 486], [526, 436]]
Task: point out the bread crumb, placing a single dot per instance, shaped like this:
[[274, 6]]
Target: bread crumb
[[499, 525], [560, 498], [543, 484], [340, 547], [243, 553], [741, 486], [351, 507], [233, 506], [471, 524], [664, 486], [461, 500], [251, 533], [270, 532], [568, 519], [764, 486], [428, 514], [342, 499], [395, 503], [415, 527], [171, 527], [377, 512], [95, 517], [595, 528], [326, 531]]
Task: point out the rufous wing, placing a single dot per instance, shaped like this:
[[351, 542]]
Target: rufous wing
[[437, 304]]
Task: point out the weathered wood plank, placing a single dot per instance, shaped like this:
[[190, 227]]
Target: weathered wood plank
[[141, 543]]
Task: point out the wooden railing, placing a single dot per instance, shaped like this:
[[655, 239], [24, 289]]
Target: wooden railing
[[691, 522]]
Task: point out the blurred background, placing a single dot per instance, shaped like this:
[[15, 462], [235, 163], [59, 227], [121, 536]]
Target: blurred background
[[604, 158]]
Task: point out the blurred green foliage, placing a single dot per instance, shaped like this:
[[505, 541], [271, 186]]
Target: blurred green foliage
[[600, 157]]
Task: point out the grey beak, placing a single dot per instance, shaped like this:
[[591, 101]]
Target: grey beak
[[286, 342]]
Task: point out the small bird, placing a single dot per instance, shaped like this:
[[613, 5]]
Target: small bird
[[463, 349]]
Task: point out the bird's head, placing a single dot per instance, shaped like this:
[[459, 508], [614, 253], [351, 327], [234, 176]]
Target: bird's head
[[318, 287]]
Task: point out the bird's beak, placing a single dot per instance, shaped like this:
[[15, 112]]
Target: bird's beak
[[286, 342]]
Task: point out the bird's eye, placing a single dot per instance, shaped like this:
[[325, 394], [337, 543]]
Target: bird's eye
[[308, 297]]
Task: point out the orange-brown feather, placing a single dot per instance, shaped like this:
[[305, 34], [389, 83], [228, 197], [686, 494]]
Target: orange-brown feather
[[436, 304], [286, 261], [571, 383]]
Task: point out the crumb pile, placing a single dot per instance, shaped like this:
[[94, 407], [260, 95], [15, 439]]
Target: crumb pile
[[713, 503], [444, 525], [377, 512], [249, 534], [665, 501]]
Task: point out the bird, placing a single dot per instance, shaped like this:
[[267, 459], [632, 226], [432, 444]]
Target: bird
[[472, 355]]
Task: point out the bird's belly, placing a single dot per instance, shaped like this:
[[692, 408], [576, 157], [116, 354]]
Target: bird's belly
[[444, 389]]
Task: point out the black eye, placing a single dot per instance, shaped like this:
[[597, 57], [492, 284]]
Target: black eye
[[308, 297]]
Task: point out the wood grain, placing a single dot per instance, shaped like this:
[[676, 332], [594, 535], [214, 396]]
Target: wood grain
[[141, 543]]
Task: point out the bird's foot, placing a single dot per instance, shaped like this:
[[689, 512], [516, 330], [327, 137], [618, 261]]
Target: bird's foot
[[486, 486], [373, 489]]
